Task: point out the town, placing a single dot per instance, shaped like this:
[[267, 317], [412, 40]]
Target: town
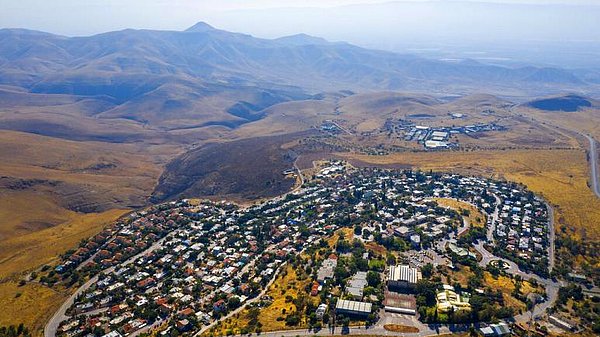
[[437, 138], [184, 266]]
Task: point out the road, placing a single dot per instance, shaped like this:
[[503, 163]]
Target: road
[[61, 314], [424, 330], [252, 300], [552, 236], [550, 285], [341, 128], [594, 165]]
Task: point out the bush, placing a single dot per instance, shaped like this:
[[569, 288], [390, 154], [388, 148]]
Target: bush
[[292, 320]]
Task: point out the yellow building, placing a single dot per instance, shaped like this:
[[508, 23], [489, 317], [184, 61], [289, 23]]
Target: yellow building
[[448, 299]]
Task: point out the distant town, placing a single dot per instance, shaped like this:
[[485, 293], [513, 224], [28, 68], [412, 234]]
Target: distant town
[[437, 138], [184, 266]]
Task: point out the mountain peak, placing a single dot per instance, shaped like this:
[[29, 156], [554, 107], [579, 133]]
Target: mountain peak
[[200, 27]]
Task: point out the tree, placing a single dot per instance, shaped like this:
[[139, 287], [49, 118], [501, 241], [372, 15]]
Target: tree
[[426, 291], [373, 279], [233, 303], [427, 270]]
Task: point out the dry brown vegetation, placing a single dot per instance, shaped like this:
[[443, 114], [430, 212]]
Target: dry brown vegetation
[[287, 284], [475, 217], [33, 303], [401, 328], [54, 193]]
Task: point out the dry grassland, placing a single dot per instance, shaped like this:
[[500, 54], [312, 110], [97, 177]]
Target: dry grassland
[[506, 286], [401, 328], [26, 252], [475, 218], [32, 304], [286, 284]]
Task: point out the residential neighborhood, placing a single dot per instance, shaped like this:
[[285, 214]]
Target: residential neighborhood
[[183, 266]]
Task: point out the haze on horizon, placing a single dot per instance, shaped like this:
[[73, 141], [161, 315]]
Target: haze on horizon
[[543, 32]]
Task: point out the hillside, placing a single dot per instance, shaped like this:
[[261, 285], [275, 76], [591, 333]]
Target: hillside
[[206, 76]]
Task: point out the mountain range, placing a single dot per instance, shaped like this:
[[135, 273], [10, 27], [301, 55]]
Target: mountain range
[[206, 76]]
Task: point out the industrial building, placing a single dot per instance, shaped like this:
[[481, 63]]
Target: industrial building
[[353, 308], [403, 277], [357, 284]]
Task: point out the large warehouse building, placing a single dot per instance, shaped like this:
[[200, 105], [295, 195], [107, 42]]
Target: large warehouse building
[[353, 308], [403, 277]]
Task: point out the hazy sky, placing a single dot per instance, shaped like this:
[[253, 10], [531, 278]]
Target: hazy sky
[[562, 32], [83, 17]]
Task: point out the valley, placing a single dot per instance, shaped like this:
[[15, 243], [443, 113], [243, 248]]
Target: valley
[[118, 122]]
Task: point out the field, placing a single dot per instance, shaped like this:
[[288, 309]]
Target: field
[[503, 283], [401, 328], [507, 285], [33, 303], [475, 217], [53, 193]]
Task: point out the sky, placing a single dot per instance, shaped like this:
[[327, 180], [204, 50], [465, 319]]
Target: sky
[[85, 17], [553, 32]]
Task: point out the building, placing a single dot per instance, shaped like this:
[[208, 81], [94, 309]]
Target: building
[[113, 334], [357, 284], [500, 329], [415, 240], [402, 231], [321, 310], [448, 299], [577, 278], [353, 308], [326, 271], [403, 277], [461, 252], [567, 326], [434, 144]]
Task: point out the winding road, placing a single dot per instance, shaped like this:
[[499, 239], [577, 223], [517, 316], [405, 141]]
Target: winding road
[[60, 315]]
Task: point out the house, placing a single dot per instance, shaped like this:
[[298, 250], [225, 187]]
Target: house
[[327, 269], [219, 306], [315, 289], [183, 324], [402, 231], [113, 334], [415, 240]]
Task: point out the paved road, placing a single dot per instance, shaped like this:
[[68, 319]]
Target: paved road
[[550, 285], [594, 165], [60, 315], [552, 236], [252, 300], [425, 330]]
